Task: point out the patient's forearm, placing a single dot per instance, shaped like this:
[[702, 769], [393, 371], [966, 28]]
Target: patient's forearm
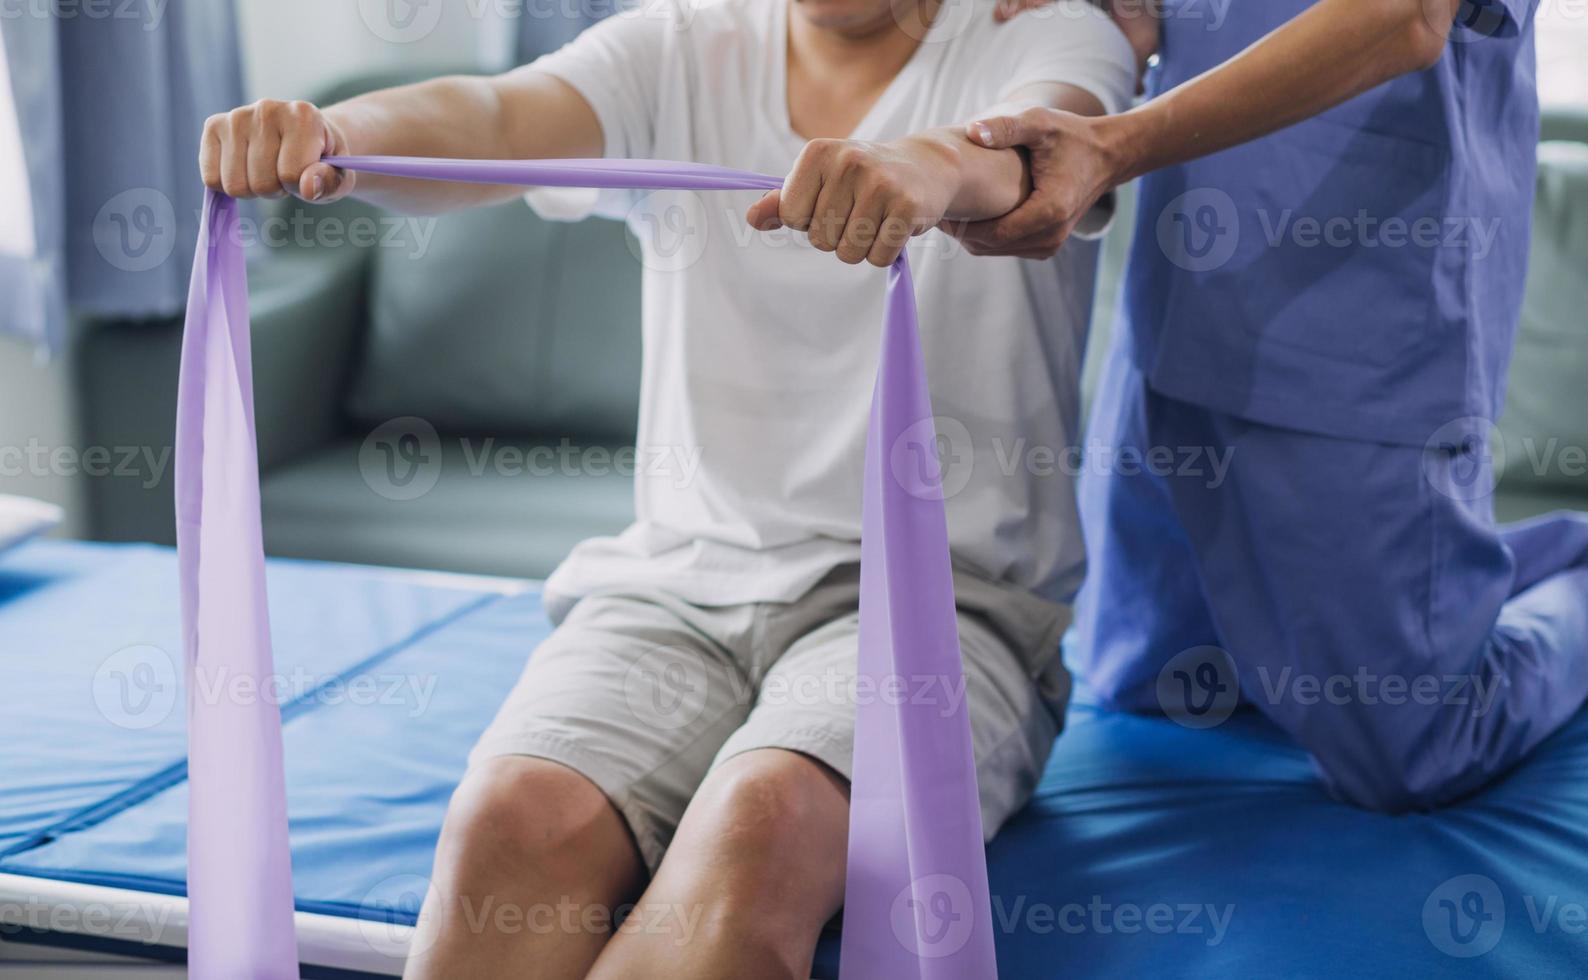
[[994, 182], [987, 183], [444, 117], [520, 115], [865, 200], [271, 147]]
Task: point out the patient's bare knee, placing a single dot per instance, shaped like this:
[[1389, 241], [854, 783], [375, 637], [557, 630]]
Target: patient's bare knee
[[766, 816], [519, 824]]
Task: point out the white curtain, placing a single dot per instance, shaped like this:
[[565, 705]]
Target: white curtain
[[32, 302]]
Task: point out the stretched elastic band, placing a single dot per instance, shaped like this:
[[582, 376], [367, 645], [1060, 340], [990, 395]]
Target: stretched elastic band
[[916, 903]]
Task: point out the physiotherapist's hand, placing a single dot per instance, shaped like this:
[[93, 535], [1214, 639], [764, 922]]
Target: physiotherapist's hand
[[862, 200], [1072, 165], [271, 148]]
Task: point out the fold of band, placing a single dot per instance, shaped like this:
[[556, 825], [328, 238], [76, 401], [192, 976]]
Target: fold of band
[[916, 897]]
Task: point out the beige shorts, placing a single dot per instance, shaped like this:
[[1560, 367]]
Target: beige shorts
[[644, 694]]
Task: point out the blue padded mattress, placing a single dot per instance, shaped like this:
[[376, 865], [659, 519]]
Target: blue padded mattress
[[1149, 850], [91, 705]]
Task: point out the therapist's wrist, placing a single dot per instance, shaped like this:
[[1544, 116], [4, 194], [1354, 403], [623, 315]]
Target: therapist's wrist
[[1123, 144]]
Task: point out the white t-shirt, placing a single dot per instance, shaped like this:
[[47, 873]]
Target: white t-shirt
[[760, 351]]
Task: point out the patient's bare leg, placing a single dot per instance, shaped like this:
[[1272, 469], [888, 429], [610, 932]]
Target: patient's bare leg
[[755, 870], [532, 860]]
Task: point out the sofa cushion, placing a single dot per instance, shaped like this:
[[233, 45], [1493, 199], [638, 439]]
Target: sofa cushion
[[503, 322], [479, 504], [1545, 424]]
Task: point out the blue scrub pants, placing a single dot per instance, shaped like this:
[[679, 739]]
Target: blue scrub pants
[[1360, 593]]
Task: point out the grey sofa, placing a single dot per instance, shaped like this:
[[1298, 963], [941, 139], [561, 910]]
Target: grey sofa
[[456, 394], [451, 392]]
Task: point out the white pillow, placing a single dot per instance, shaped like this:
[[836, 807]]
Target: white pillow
[[22, 518]]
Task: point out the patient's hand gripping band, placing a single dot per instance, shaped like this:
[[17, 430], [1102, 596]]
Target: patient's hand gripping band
[[916, 901]]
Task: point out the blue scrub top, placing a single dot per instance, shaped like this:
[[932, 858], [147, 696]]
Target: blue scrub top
[[1359, 274]]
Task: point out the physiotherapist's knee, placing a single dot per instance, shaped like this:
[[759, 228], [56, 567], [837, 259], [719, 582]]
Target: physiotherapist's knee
[[1399, 763], [1391, 788]]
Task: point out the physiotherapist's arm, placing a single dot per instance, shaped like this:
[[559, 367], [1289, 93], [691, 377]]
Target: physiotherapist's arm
[[865, 200], [1333, 51], [272, 147]]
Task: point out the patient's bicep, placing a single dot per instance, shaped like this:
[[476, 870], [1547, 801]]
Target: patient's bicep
[[610, 74], [1071, 44], [544, 116], [1048, 95]]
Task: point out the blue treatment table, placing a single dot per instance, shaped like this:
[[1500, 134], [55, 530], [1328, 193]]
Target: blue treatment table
[[1149, 850]]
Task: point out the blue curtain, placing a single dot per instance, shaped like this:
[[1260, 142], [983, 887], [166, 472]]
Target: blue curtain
[[111, 101], [546, 25]]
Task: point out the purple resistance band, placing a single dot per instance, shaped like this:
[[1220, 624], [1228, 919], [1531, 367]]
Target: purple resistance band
[[916, 904]]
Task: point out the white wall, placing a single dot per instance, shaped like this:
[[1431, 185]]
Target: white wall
[[294, 48], [34, 407], [1562, 31], [37, 426]]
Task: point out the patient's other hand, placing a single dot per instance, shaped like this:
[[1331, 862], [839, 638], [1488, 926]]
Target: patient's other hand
[[271, 148], [863, 200]]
